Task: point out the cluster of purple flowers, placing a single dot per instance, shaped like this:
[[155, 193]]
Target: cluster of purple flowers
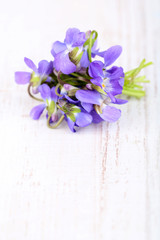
[[74, 87]]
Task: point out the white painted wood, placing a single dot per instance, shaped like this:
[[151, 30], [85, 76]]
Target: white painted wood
[[104, 181]]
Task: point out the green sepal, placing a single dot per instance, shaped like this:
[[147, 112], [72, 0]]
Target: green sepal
[[68, 107], [74, 57], [71, 116], [35, 80], [76, 110], [51, 106], [70, 110], [78, 58], [73, 53]]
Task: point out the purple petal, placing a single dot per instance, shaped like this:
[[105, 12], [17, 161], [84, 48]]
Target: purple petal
[[113, 87], [121, 81], [49, 79], [45, 91], [43, 67], [37, 111], [96, 117], [22, 77], [87, 106], [120, 101], [110, 114], [84, 62], [83, 119], [93, 49], [96, 52], [49, 69], [71, 124], [116, 100], [70, 35], [89, 96], [70, 99], [114, 73], [96, 69], [54, 117], [89, 86], [112, 54], [79, 39], [58, 47], [117, 88], [30, 64], [54, 97], [97, 81], [63, 63], [113, 99]]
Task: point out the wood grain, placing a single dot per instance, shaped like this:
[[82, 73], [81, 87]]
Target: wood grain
[[104, 181]]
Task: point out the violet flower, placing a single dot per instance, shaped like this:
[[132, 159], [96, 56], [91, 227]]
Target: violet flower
[[111, 80], [39, 74], [74, 38], [77, 89], [90, 97], [50, 98], [76, 116]]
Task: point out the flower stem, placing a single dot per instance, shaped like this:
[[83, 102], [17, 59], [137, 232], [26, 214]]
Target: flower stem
[[133, 93], [30, 94], [55, 125], [56, 90], [91, 43], [59, 79]]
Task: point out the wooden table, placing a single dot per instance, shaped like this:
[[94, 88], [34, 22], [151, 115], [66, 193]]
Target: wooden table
[[102, 183]]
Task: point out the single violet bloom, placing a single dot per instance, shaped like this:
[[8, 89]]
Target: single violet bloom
[[74, 38], [50, 98], [76, 116], [107, 113], [38, 75], [112, 80]]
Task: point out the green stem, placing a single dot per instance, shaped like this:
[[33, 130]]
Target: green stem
[[55, 125], [30, 94], [133, 93], [89, 48], [81, 75], [56, 90], [91, 42], [59, 79], [59, 107]]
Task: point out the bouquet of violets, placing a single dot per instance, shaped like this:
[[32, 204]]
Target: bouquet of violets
[[76, 88]]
